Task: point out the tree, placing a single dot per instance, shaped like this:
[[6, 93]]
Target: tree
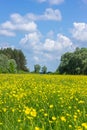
[[22, 61], [44, 69], [3, 63], [37, 68], [63, 67], [74, 63], [12, 66], [17, 55]]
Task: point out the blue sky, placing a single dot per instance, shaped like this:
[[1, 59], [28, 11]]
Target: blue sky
[[43, 29]]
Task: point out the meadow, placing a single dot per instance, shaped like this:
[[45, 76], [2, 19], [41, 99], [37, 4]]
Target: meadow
[[43, 102]]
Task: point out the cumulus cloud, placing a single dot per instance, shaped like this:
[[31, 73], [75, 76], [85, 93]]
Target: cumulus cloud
[[52, 2], [49, 14], [27, 23], [17, 22], [47, 49], [7, 33], [31, 38], [79, 32], [60, 43]]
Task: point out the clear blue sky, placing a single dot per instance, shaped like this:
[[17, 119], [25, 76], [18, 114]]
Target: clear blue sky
[[43, 29]]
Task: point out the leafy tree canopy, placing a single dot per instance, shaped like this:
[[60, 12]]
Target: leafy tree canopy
[[37, 68], [74, 63], [44, 69], [19, 60]]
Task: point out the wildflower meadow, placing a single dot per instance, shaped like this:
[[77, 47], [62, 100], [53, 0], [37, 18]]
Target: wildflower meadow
[[43, 102]]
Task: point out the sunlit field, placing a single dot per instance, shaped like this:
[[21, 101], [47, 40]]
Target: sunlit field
[[43, 102]]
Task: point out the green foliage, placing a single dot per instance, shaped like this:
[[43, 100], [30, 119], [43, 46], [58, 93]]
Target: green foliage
[[12, 66], [44, 69], [74, 63], [18, 56], [37, 68], [3, 63]]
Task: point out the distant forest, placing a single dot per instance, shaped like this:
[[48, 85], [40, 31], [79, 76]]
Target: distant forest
[[14, 61]]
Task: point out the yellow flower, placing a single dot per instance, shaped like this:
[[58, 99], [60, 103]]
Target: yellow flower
[[69, 107], [13, 110], [19, 120], [51, 106], [84, 125], [53, 118], [78, 110], [50, 121], [1, 123], [45, 114], [70, 126], [81, 102], [63, 118], [37, 128], [79, 128], [33, 113], [4, 109], [27, 110], [75, 117]]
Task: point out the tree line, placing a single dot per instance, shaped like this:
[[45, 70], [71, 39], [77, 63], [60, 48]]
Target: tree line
[[12, 61]]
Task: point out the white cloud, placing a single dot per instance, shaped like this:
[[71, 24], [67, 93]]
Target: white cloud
[[48, 49], [17, 23], [20, 24], [17, 18], [7, 33], [45, 50], [49, 45], [64, 41], [49, 14], [8, 25], [31, 39], [52, 2], [79, 32], [26, 23], [60, 43], [55, 2]]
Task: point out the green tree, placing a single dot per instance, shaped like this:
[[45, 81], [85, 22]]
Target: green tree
[[3, 63], [44, 69], [63, 67], [12, 66], [74, 63], [17, 55], [37, 68], [22, 61]]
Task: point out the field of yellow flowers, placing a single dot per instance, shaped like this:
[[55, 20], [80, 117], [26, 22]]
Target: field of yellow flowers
[[43, 102]]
